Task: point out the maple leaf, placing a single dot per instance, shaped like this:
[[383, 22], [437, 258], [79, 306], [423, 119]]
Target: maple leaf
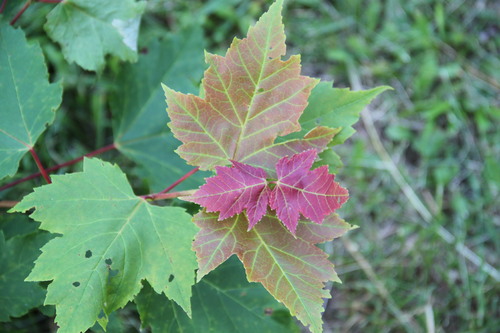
[[292, 269], [110, 241], [314, 193], [111, 27], [28, 100], [251, 97]]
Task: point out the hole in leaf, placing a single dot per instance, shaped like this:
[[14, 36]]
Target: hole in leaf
[[108, 261], [76, 284], [171, 278], [88, 254], [101, 314]]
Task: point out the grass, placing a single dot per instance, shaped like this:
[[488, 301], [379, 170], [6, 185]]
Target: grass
[[422, 170]]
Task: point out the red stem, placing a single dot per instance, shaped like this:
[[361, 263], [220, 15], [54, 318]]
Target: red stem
[[2, 6], [59, 166], [180, 180], [50, 1], [19, 13], [40, 166]]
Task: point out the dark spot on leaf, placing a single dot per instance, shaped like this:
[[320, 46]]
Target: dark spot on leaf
[[171, 278], [113, 272], [268, 311], [260, 90], [101, 314], [88, 254], [269, 58], [76, 283], [108, 261]]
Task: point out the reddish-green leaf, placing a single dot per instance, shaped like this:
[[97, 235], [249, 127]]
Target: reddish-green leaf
[[251, 97], [292, 269]]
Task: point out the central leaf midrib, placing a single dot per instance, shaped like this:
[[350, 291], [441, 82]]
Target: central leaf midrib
[[268, 249], [244, 125]]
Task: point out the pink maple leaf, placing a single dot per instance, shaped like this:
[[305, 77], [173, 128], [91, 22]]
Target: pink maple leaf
[[233, 190], [299, 190]]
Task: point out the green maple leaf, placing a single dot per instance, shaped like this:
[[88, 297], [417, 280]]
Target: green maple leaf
[[337, 108], [17, 254], [292, 269], [111, 240], [28, 100], [250, 98], [88, 30], [140, 129], [223, 301]]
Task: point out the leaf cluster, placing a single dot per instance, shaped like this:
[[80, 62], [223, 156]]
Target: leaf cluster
[[106, 247]]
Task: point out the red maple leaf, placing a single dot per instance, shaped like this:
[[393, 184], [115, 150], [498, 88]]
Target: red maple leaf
[[298, 190]]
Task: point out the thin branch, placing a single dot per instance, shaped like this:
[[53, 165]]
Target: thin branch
[[19, 13], [59, 166], [180, 180], [410, 193], [8, 204], [40, 166], [163, 196]]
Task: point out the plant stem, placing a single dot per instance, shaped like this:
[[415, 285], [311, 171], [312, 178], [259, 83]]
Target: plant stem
[[40, 166], [180, 180], [59, 166], [2, 6], [50, 1], [162, 195], [8, 204], [19, 13]]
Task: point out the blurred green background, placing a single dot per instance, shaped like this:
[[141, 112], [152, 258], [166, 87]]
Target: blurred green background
[[423, 170]]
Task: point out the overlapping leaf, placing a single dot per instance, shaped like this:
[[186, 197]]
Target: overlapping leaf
[[297, 190], [17, 254], [223, 301], [88, 30], [138, 108], [337, 108], [292, 269], [251, 97], [28, 100], [110, 241]]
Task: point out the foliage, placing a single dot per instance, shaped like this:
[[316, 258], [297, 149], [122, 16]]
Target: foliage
[[109, 244], [438, 127], [28, 99]]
